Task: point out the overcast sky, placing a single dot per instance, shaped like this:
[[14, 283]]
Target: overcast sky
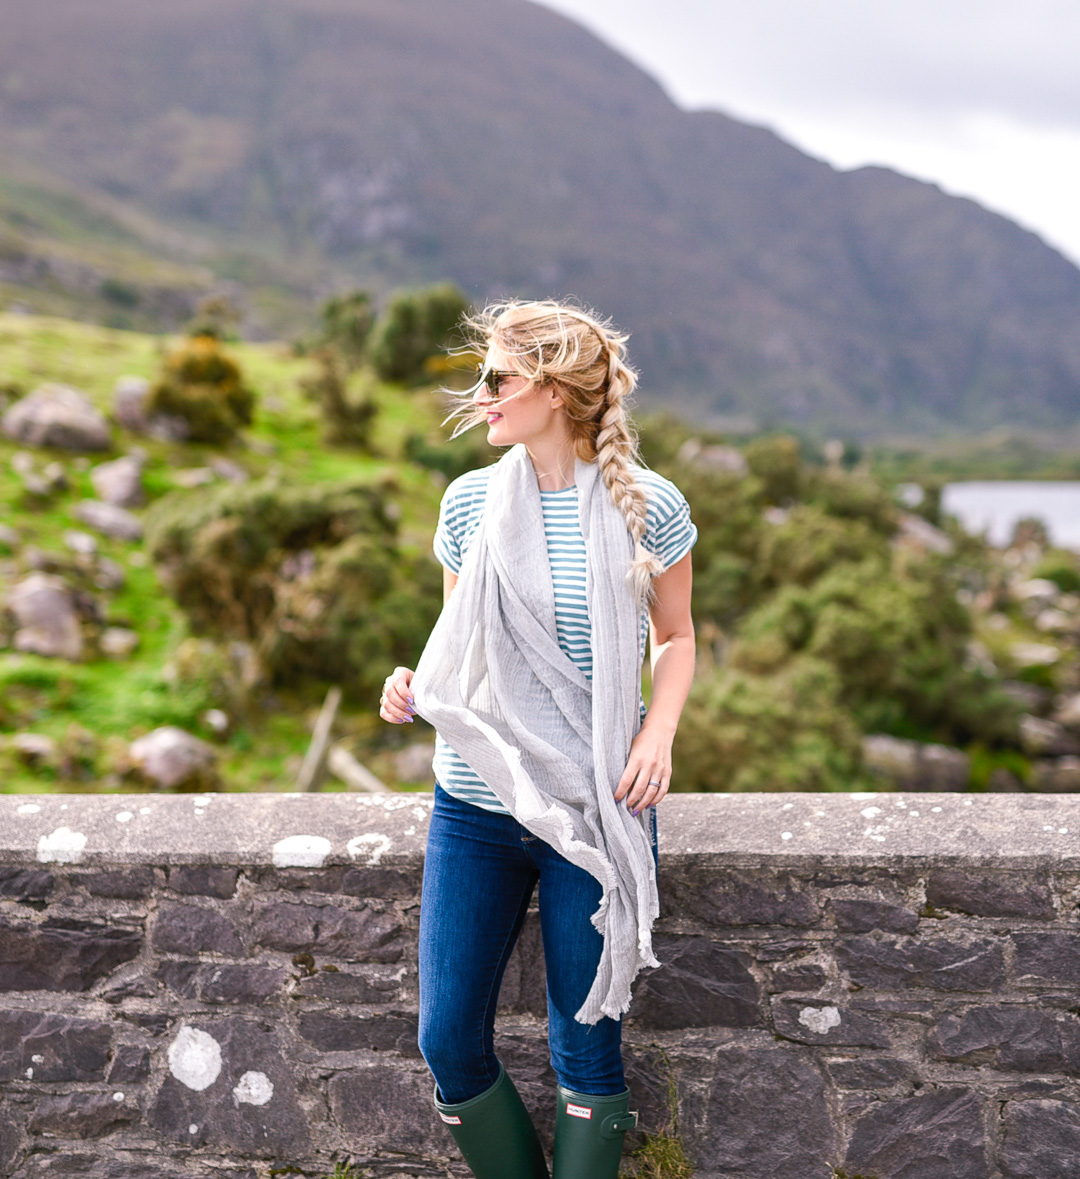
[[980, 96]]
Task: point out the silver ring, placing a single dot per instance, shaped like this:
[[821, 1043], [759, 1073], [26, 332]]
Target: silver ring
[[654, 783]]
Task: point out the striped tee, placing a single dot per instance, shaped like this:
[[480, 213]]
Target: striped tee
[[669, 533]]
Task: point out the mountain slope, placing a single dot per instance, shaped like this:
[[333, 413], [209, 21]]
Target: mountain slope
[[500, 145]]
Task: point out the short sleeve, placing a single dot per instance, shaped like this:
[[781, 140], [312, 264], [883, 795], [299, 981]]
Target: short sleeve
[[670, 533], [447, 543]]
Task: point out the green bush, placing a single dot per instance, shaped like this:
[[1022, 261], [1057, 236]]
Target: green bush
[[313, 577], [415, 326], [345, 323], [203, 386], [451, 457], [1062, 568], [347, 417], [742, 731]]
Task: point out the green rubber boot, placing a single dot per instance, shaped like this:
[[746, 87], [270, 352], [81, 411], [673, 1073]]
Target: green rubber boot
[[589, 1133], [495, 1133]]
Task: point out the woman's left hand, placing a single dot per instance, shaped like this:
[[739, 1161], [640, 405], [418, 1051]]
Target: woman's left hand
[[647, 776]]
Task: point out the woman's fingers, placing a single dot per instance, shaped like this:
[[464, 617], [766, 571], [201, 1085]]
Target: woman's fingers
[[396, 704], [643, 786]]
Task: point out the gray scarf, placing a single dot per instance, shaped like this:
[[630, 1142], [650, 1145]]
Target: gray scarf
[[502, 693]]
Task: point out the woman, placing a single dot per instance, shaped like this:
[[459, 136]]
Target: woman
[[558, 560]]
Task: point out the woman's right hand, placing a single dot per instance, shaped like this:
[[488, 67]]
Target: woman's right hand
[[396, 703]]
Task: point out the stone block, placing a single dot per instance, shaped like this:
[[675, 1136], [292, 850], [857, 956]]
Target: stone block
[[723, 899], [870, 1072], [854, 915], [936, 1135], [340, 986], [804, 977], [82, 1115], [1041, 1140], [388, 1109], [133, 884], [229, 1085], [211, 982], [61, 954], [763, 1113], [360, 935], [390, 884], [130, 1063], [25, 884], [9, 1140], [204, 881], [974, 965], [191, 929], [701, 983], [330, 1032], [991, 894], [1047, 957], [45, 1047], [524, 983], [324, 880], [1020, 1038], [826, 1023], [778, 951], [61, 1164]]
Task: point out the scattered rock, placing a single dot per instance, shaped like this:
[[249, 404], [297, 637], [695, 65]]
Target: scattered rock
[[1001, 781], [1053, 621], [910, 765], [715, 458], [216, 720], [922, 534], [118, 642], [108, 575], [9, 538], [1034, 654], [34, 748], [80, 542], [1060, 775], [46, 617], [191, 477], [1046, 738], [173, 759], [120, 482], [227, 469], [129, 403], [59, 416], [110, 520], [1067, 712], [413, 763], [1030, 697], [1037, 589]]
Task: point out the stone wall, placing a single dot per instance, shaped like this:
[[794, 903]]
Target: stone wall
[[224, 986]]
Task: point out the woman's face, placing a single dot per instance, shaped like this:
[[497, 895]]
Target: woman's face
[[517, 414]]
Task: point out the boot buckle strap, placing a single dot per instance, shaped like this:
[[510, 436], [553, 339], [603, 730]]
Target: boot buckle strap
[[618, 1123]]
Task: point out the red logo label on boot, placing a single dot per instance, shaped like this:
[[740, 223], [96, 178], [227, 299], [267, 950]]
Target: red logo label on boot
[[449, 1119], [578, 1111]]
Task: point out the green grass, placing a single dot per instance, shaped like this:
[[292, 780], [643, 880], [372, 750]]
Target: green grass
[[111, 702]]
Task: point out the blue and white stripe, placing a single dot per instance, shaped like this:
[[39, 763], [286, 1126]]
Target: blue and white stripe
[[669, 534]]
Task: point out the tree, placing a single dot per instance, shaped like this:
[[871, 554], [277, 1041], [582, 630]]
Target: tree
[[415, 326]]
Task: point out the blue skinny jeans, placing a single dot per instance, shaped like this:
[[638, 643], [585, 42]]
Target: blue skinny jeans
[[479, 875]]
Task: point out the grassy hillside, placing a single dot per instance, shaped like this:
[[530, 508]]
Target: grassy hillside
[[291, 146]]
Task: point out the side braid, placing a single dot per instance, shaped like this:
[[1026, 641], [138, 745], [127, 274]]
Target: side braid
[[615, 450]]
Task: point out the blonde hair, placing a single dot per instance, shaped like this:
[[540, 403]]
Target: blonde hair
[[562, 344]]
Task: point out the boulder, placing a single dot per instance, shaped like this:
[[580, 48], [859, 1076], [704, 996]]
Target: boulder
[[9, 538], [1034, 654], [1067, 712], [110, 520], [46, 618], [81, 543], [173, 759], [1047, 738], [118, 642], [59, 416], [120, 482], [129, 403], [1039, 590], [1058, 775], [910, 765], [34, 748]]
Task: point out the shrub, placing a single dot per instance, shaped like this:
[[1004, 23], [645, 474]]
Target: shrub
[[451, 457], [742, 731], [1062, 568], [413, 327], [203, 387], [347, 418], [345, 323], [313, 577]]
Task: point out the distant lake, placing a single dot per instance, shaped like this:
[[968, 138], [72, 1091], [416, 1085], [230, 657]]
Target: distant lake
[[995, 508]]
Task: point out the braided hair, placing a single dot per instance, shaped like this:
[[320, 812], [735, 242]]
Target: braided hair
[[562, 344]]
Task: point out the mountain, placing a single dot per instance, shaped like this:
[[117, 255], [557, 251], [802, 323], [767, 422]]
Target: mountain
[[296, 146]]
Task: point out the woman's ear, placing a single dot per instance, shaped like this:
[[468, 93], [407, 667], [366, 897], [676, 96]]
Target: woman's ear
[[555, 396]]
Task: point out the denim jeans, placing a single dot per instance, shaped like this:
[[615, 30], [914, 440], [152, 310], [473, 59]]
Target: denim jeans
[[479, 876]]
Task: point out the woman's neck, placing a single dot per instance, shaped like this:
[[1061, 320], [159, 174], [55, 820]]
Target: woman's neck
[[554, 464]]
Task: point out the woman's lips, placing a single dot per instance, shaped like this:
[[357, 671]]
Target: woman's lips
[[493, 417]]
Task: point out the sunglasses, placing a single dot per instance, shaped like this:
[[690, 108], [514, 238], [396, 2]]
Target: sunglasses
[[491, 378]]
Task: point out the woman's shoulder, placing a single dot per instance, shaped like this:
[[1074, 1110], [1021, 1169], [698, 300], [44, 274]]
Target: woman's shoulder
[[663, 496], [467, 488]]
